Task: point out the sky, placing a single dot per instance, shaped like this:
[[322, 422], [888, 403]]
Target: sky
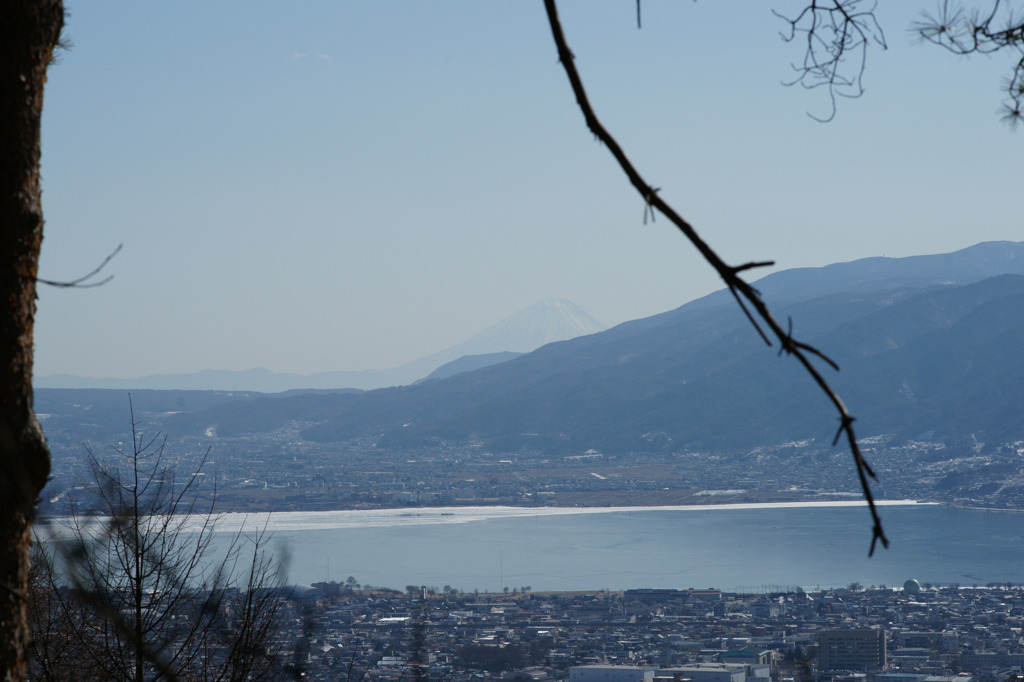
[[314, 186]]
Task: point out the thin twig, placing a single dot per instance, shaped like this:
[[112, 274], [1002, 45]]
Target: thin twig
[[739, 287], [80, 282], [833, 29]]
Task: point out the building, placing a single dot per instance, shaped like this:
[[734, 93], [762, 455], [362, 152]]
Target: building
[[747, 656], [851, 650], [610, 673], [713, 672]]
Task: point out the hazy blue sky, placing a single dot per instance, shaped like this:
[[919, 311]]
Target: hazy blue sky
[[309, 186]]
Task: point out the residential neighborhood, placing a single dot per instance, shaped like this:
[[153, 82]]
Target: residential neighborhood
[[911, 633]]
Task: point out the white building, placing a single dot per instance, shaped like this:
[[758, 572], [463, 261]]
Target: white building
[[611, 673], [712, 672]]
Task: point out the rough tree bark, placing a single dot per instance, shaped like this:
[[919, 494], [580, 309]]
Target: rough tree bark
[[31, 29]]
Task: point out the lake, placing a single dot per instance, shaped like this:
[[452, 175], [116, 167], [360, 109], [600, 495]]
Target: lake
[[732, 547]]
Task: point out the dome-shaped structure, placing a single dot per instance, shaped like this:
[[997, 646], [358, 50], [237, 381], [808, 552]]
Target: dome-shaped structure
[[912, 587]]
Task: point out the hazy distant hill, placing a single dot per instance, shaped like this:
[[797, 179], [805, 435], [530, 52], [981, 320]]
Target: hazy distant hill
[[543, 322], [546, 321], [73, 416], [929, 346], [469, 363]]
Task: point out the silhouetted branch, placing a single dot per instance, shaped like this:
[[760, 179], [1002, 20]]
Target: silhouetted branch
[[80, 282], [752, 265], [753, 321], [740, 289], [834, 30], [966, 32]]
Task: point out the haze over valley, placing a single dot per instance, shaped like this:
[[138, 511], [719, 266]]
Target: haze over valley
[[683, 407], [544, 322]]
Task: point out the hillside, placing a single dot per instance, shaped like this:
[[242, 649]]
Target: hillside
[[654, 411], [932, 357]]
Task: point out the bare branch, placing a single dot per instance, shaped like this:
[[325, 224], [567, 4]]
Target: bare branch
[[739, 287], [837, 34], [80, 283], [753, 320]]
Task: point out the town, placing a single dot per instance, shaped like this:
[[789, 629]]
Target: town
[[912, 633], [288, 474]]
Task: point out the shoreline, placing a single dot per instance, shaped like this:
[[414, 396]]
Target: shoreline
[[285, 521], [293, 521]]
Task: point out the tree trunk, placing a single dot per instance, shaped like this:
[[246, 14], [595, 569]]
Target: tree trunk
[[31, 29]]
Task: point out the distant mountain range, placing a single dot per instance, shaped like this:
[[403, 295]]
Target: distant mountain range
[[545, 321], [930, 348]]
